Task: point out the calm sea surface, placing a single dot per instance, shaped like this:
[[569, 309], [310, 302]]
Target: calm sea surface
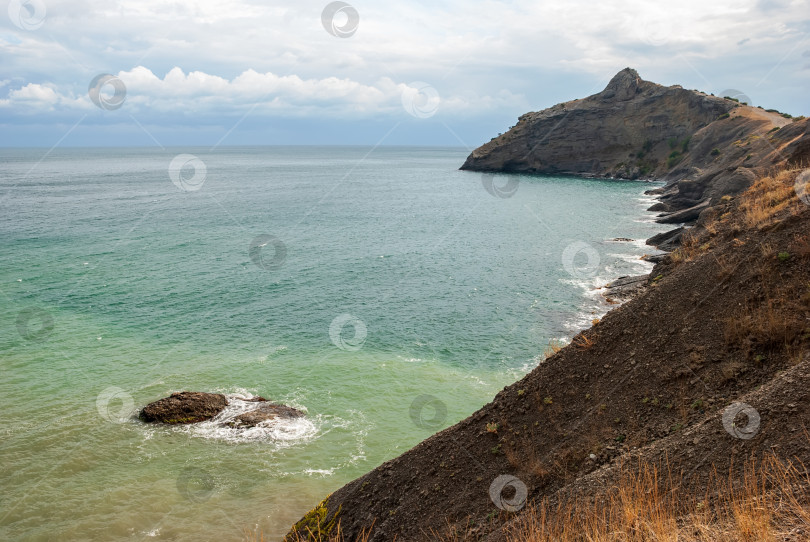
[[383, 291]]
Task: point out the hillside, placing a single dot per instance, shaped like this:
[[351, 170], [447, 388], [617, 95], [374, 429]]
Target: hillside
[[703, 146], [723, 320]]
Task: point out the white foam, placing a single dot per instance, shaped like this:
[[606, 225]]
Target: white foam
[[282, 432], [320, 472]]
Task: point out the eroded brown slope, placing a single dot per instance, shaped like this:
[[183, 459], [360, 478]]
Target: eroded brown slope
[[723, 316]]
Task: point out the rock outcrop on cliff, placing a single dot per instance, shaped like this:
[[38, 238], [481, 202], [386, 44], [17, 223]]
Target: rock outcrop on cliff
[[705, 147]]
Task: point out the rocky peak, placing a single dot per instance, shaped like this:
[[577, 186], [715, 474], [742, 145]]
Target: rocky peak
[[623, 86]]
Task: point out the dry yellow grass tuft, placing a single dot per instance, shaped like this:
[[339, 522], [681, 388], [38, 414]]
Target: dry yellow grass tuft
[[768, 196], [336, 536], [690, 249], [554, 346], [771, 503]]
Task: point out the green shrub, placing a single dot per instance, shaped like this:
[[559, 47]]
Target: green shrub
[[685, 144], [673, 159], [784, 256], [715, 152], [723, 116]]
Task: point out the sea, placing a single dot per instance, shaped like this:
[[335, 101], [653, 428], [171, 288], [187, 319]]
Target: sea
[[380, 290]]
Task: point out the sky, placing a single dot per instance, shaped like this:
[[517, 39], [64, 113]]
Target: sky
[[257, 72]]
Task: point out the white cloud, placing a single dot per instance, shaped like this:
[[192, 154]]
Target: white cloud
[[288, 95], [481, 55]]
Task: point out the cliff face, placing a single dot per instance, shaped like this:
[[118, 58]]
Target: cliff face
[[704, 147]]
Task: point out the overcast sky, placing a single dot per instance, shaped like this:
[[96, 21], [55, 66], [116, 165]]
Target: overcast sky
[[233, 72]]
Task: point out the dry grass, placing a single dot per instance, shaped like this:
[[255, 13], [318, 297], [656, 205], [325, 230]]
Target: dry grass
[[691, 247], [769, 503], [768, 327], [554, 346], [583, 342], [337, 536], [769, 196]]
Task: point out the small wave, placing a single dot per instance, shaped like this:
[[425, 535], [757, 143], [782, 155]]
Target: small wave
[[281, 432], [319, 472]]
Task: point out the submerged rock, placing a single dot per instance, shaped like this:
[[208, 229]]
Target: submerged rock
[[184, 407], [266, 411]]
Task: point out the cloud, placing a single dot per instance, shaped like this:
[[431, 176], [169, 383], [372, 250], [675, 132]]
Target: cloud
[[198, 93], [192, 59]]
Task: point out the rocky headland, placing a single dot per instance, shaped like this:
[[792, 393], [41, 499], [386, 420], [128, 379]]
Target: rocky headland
[[704, 147]]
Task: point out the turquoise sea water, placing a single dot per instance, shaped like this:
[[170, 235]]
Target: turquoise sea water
[[381, 290]]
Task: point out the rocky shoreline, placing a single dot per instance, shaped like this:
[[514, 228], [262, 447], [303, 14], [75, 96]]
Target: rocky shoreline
[[704, 369], [703, 147]]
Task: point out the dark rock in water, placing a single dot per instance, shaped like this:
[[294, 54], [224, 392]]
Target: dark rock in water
[[668, 240], [623, 240], [689, 214], [654, 258], [266, 411], [184, 407], [625, 288]]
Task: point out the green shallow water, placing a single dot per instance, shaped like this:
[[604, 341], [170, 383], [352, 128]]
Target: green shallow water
[[145, 289]]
